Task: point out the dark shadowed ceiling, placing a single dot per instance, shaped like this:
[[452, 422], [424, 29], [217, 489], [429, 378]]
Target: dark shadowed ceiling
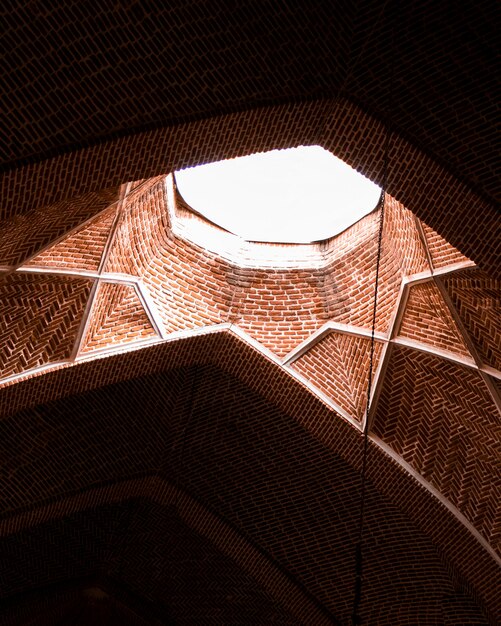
[[214, 478]]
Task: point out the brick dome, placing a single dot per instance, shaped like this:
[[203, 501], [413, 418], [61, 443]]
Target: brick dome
[[181, 410]]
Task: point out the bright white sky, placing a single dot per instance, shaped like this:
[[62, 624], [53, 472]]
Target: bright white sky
[[297, 195]]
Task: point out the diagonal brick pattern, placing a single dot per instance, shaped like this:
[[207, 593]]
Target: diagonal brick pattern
[[441, 419], [477, 298], [82, 249], [441, 251], [173, 396], [39, 319], [282, 489], [24, 235], [257, 448], [117, 317], [428, 320], [338, 365]]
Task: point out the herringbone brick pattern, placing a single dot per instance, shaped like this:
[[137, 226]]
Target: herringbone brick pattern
[[439, 416], [477, 298], [39, 319], [277, 486], [23, 235], [420, 185], [117, 317], [94, 99], [339, 366], [275, 389], [428, 320], [82, 249]]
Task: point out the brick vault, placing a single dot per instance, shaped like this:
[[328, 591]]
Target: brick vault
[[181, 411]]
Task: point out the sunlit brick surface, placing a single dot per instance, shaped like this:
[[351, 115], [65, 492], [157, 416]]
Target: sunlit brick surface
[[477, 298], [156, 277], [441, 419], [401, 234], [118, 317], [428, 320], [339, 366], [291, 493], [197, 481], [350, 275], [82, 249], [442, 252], [24, 235], [39, 319]]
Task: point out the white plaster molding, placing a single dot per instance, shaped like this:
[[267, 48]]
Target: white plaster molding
[[107, 277], [236, 250], [443, 354], [377, 385], [424, 242], [491, 388], [491, 371], [241, 334], [151, 309], [323, 331], [40, 269], [84, 324], [455, 267], [35, 371], [178, 335]]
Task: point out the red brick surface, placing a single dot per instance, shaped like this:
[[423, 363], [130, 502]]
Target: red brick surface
[[192, 287], [339, 366], [39, 319], [441, 419], [298, 503], [428, 320], [477, 299], [196, 481], [280, 307], [24, 235], [117, 318], [441, 251], [82, 249]]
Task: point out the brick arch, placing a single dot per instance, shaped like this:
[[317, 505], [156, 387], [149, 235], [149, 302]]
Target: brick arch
[[452, 540], [225, 538], [432, 193]]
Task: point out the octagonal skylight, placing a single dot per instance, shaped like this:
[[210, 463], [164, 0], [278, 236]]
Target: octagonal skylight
[[298, 195]]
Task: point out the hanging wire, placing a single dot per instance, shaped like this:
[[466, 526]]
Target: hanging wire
[[358, 553], [356, 619]]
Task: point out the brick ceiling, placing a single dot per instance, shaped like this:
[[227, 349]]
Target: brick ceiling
[[181, 412]]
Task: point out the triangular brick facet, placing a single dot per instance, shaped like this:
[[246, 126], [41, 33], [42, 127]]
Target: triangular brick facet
[[117, 317], [477, 299], [339, 366], [82, 249], [39, 319], [428, 320], [441, 251]]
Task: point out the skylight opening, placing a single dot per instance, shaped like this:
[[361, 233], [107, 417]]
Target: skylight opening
[[298, 195]]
